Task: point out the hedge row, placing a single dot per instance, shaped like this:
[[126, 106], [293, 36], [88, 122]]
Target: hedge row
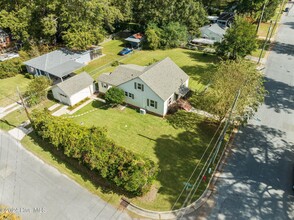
[[92, 147]]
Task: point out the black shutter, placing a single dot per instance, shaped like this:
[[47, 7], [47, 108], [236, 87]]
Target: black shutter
[[155, 105], [147, 102], [132, 96], [135, 85], [142, 87]]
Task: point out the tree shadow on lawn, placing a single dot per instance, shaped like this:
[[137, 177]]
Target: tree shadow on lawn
[[100, 105], [78, 168], [178, 158], [201, 73], [258, 175]]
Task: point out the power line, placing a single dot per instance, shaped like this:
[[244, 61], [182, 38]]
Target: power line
[[197, 165], [210, 157]]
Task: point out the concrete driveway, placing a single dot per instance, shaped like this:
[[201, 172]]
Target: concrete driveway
[[257, 179], [35, 190]]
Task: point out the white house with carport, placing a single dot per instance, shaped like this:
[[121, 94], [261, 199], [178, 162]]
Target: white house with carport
[[152, 88], [59, 64], [74, 90]]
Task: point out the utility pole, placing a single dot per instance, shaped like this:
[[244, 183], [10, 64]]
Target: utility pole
[[261, 17], [265, 42], [210, 159], [23, 104], [277, 18]]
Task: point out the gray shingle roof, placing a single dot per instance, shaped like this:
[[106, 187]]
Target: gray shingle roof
[[215, 28], [58, 63], [75, 84], [122, 74], [163, 77]]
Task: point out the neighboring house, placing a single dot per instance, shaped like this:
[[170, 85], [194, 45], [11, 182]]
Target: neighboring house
[[135, 40], [212, 19], [61, 63], [214, 32], [4, 39], [74, 90], [153, 88], [226, 19]]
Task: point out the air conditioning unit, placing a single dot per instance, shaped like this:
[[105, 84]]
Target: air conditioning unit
[[142, 111]]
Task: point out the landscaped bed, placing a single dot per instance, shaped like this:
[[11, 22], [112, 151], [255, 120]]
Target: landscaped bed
[[176, 151]]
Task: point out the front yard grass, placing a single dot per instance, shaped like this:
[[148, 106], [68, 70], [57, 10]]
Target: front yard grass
[[8, 93], [176, 151]]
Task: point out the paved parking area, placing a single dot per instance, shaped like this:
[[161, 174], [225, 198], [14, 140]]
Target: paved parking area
[[35, 190]]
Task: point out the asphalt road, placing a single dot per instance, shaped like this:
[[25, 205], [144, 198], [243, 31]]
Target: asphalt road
[[35, 190], [257, 179]]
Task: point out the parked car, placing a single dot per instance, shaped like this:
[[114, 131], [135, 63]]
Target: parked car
[[125, 51], [287, 9]]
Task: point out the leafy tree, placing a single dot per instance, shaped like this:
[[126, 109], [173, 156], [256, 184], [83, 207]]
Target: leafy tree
[[154, 36], [239, 40], [37, 90], [115, 95], [18, 22], [174, 34], [190, 13], [230, 76], [170, 36], [254, 8], [10, 68]]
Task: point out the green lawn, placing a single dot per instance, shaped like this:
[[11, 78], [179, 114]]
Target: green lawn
[[194, 63], [175, 150], [8, 93], [110, 51]]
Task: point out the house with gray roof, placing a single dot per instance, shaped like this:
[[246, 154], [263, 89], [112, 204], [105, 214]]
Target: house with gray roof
[[214, 32], [153, 88], [74, 89], [59, 64]]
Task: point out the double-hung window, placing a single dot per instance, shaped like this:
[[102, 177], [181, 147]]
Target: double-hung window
[[152, 103], [139, 86]]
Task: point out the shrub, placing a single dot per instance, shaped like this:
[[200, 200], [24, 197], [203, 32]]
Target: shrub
[[10, 68], [115, 63], [29, 76], [93, 148], [115, 95]]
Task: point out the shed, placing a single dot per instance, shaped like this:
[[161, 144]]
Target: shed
[[74, 90], [135, 40]]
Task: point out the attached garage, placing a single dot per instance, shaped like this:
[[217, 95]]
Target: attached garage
[[74, 89]]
